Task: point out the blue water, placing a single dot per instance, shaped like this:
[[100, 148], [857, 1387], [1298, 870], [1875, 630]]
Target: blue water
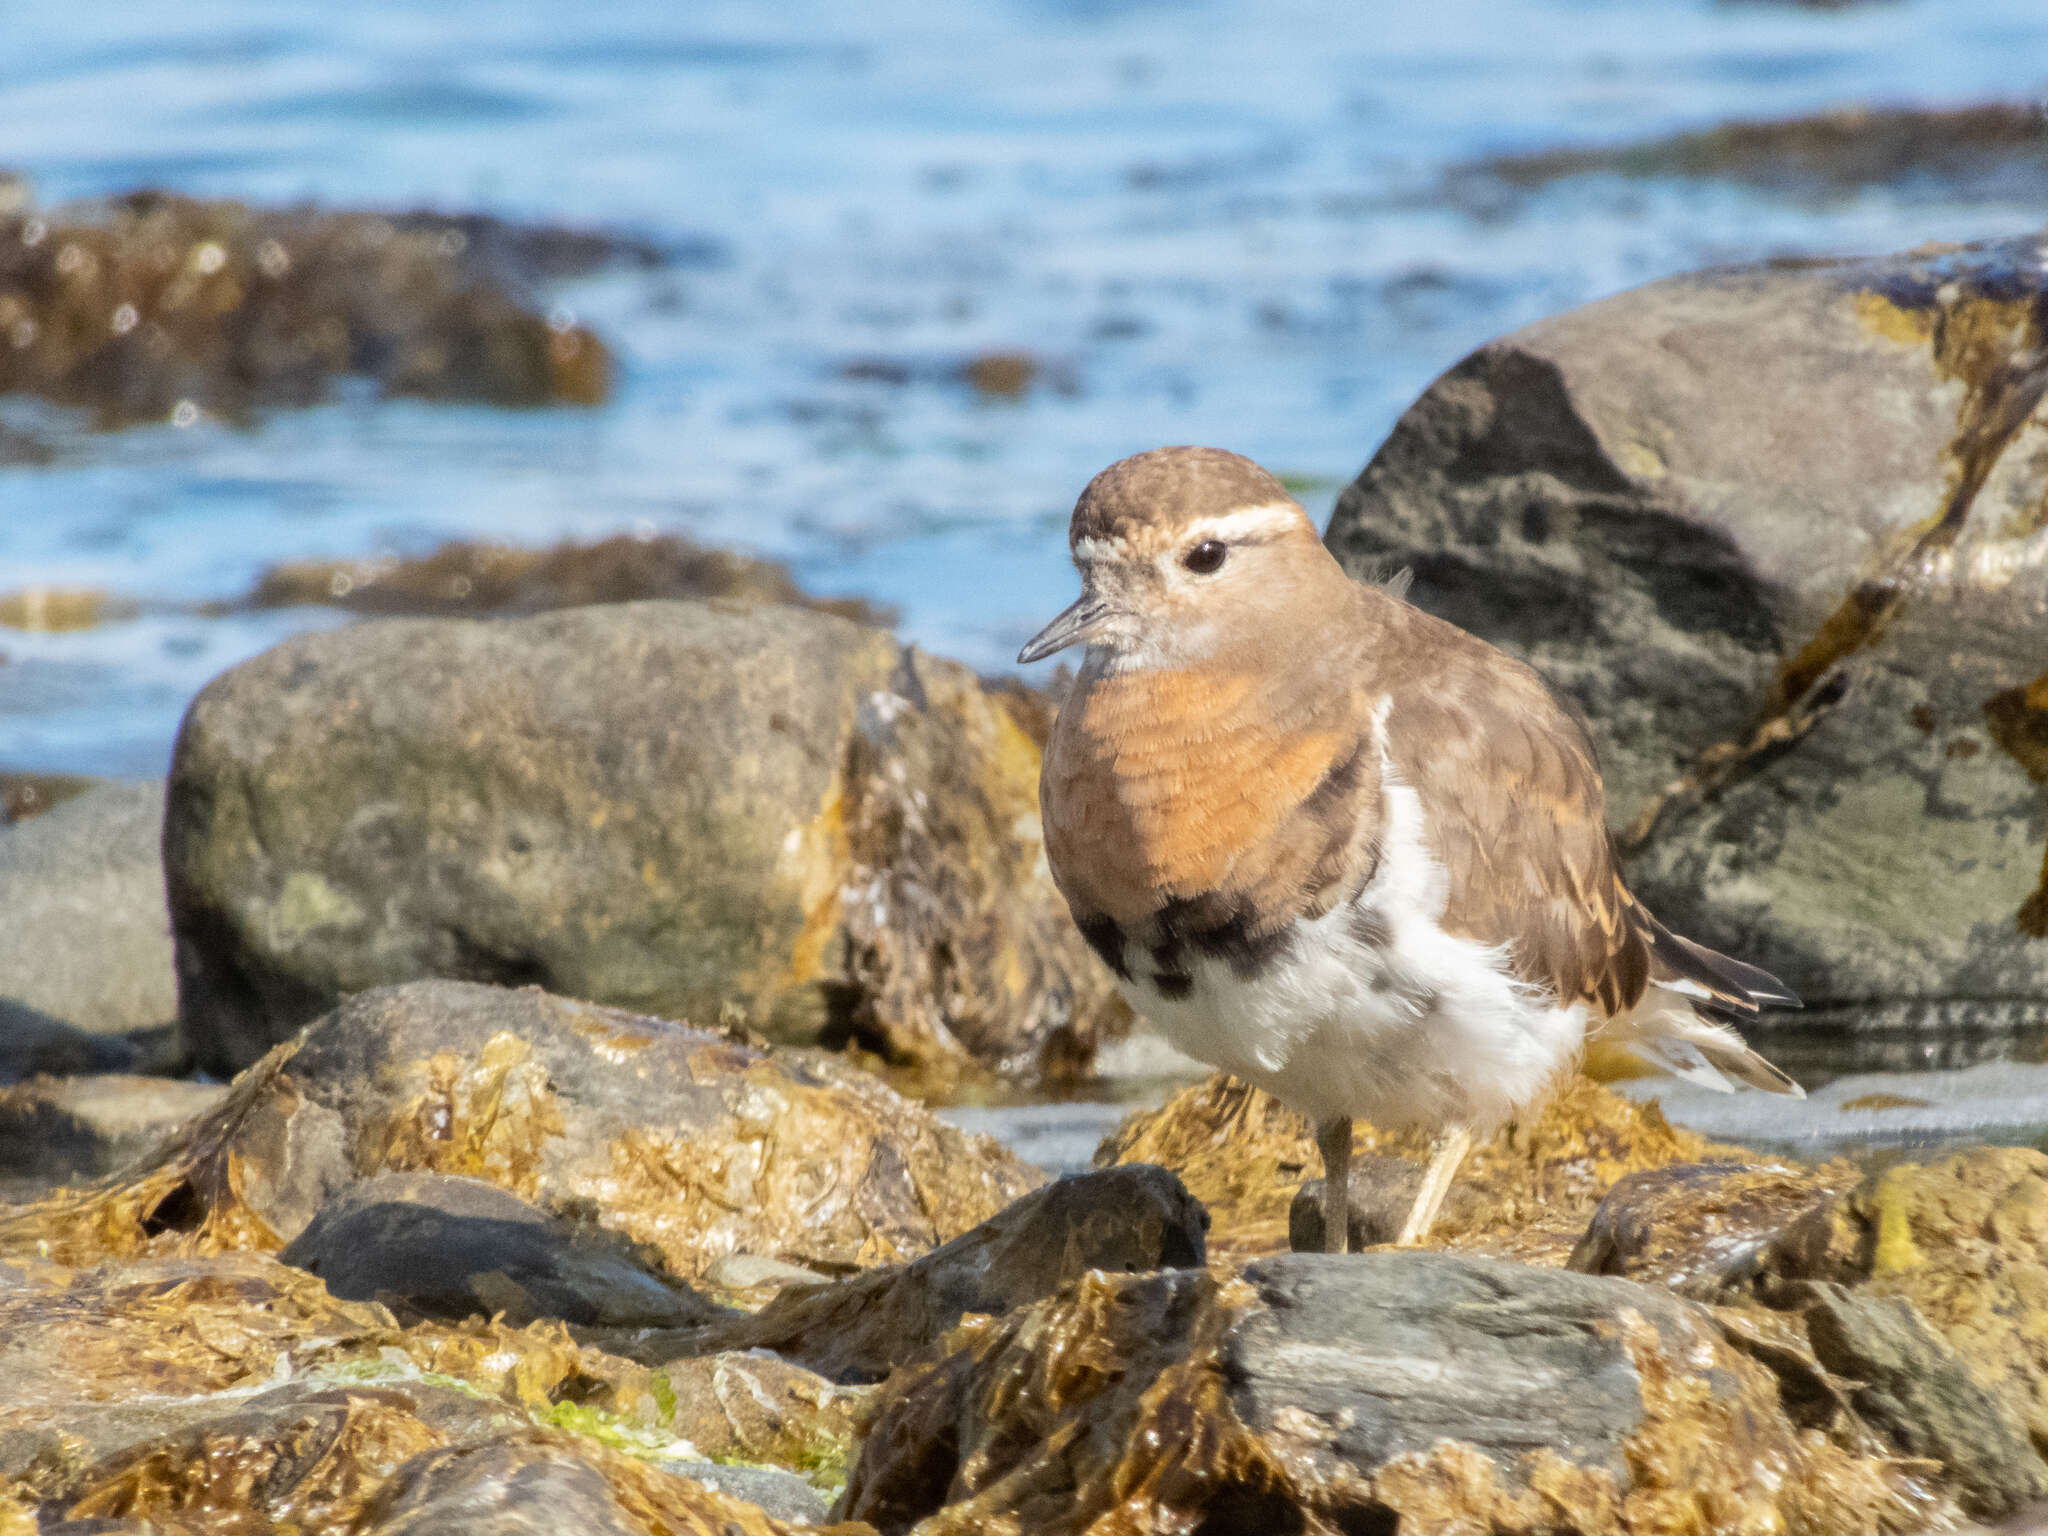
[[1221, 221]]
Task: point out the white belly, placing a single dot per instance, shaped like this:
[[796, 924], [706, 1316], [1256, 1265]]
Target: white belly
[[1374, 1011]]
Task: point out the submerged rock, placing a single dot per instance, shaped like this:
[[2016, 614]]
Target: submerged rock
[[1778, 529], [713, 813], [86, 940], [1119, 1220], [1432, 1391], [436, 1245], [465, 578], [1527, 1192], [1996, 150], [678, 1139], [151, 305]]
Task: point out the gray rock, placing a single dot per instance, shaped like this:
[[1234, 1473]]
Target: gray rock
[[61, 1127], [1389, 1353], [86, 939], [33, 1043], [782, 1495], [1778, 529], [1400, 1390], [686, 808], [440, 1246], [1131, 1218], [1907, 1383], [1382, 1189]]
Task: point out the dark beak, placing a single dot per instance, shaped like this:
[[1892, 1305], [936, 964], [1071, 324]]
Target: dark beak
[[1070, 628]]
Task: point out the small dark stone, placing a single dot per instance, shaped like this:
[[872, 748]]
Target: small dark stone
[[1382, 1192], [439, 1246]]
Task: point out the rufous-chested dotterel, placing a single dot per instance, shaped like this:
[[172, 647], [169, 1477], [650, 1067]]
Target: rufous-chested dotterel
[[1338, 847]]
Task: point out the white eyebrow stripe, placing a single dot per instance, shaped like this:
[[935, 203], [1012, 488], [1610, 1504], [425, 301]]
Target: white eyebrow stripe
[[1273, 517], [1087, 550]]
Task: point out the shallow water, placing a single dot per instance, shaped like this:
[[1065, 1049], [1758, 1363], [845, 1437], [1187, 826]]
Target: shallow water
[[1218, 222]]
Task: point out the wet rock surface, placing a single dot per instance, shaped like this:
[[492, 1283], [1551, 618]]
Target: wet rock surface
[[441, 1246], [86, 940], [686, 808], [150, 303], [1775, 527], [1428, 1391], [681, 1140], [1119, 1220]]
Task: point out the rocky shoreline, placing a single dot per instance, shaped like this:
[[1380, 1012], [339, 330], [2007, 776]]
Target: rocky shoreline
[[576, 979]]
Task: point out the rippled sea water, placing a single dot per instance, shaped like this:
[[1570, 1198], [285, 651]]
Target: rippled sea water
[[1221, 222]]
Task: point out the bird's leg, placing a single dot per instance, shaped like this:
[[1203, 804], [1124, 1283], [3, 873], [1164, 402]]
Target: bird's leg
[[1333, 1140], [1444, 1159]]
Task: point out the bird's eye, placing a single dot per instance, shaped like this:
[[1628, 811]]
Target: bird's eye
[[1205, 557]]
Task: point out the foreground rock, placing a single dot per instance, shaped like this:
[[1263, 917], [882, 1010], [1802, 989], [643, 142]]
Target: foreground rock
[[86, 940], [683, 808], [1119, 1220], [1436, 1391], [1525, 1193], [1777, 528], [678, 1139], [140, 305], [239, 1386]]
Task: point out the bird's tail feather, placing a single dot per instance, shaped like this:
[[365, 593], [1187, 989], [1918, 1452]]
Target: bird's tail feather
[[1698, 1050], [1715, 979]]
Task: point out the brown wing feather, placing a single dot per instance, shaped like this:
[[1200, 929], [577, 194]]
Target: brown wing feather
[[1513, 806]]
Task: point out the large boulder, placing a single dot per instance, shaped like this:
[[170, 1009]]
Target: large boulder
[[684, 1141], [86, 941], [705, 811], [1405, 1390], [1779, 529]]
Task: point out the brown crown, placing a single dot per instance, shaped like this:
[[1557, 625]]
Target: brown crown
[[1166, 488]]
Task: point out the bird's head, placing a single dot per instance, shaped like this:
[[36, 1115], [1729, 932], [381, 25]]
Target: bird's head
[[1185, 554]]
